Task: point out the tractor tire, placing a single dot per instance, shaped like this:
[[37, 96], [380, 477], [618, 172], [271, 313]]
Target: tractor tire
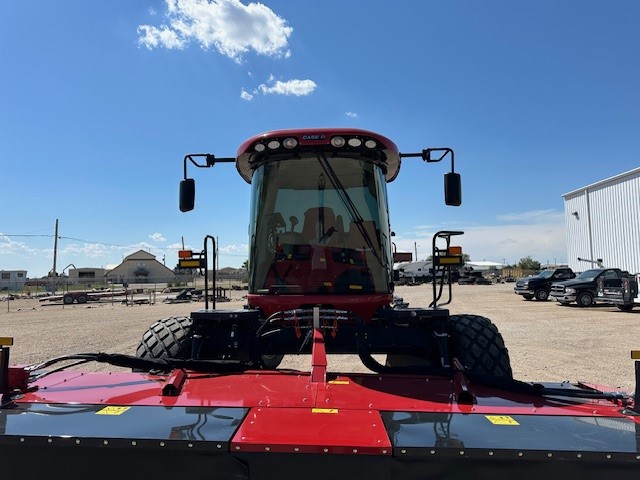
[[542, 295], [527, 297], [479, 347], [584, 299], [166, 338], [169, 338], [67, 299], [271, 362]]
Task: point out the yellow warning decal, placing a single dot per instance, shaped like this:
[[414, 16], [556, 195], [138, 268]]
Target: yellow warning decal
[[324, 410], [355, 287], [339, 382], [112, 410], [501, 420]]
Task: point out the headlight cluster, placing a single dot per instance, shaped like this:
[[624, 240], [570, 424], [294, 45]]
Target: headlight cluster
[[275, 144], [337, 141], [354, 142], [569, 290]]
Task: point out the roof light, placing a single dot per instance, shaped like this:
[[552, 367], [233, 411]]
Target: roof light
[[290, 142], [338, 142], [370, 144], [273, 144], [354, 142], [259, 147]]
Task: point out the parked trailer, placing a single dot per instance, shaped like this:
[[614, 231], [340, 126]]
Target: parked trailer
[[83, 297]]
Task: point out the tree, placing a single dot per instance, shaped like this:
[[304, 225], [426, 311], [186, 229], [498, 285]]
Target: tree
[[527, 263], [245, 265]]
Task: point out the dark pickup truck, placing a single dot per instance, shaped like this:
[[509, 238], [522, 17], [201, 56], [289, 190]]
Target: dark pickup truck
[[623, 292], [539, 286], [584, 288]]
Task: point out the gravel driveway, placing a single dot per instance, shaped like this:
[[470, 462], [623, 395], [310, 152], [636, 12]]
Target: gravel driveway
[[546, 341]]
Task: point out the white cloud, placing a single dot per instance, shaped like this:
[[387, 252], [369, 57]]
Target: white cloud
[[294, 87], [229, 26], [89, 250], [152, 37], [298, 88], [541, 240], [234, 250], [533, 216], [157, 237], [351, 114], [11, 247]]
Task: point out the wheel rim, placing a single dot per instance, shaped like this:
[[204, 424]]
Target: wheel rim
[[542, 295], [584, 300]]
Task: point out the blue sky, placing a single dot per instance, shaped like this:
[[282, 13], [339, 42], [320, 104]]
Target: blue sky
[[100, 101]]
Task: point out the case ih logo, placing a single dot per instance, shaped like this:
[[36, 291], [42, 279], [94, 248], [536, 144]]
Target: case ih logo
[[314, 138], [317, 136]]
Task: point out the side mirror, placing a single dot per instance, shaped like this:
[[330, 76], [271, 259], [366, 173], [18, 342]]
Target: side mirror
[[452, 189], [187, 194]]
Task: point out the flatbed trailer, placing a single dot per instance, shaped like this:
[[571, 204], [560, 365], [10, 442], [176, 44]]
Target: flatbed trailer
[[83, 296]]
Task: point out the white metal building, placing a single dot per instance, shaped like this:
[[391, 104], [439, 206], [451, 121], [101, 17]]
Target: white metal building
[[602, 222], [12, 279]]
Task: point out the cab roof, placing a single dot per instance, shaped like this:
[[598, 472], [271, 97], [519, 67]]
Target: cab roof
[[310, 139]]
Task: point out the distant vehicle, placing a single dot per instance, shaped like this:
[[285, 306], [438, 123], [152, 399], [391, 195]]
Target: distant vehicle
[[584, 288], [474, 278], [539, 286], [623, 293], [415, 273]]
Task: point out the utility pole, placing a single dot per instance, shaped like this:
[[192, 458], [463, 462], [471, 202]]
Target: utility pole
[[55, 251]]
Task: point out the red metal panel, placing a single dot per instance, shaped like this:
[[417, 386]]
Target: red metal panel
[[291, 390], [307, 430], [318, 358], [363, 305]]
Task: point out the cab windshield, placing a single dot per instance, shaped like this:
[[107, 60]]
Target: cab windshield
[[319, 225], [588, 275]]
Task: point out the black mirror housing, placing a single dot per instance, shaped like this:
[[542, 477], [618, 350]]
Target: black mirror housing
[[452, 189], [187, 194]]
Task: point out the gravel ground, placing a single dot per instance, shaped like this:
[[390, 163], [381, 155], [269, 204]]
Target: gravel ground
[[546, 341]]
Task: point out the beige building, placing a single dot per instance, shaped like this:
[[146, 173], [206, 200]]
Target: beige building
[[87, 275], [141, 267]]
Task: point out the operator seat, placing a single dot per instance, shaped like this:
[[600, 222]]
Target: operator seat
[[355, 239], [319, 225]]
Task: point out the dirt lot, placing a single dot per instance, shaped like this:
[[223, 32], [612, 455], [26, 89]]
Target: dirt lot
[[546, 342]]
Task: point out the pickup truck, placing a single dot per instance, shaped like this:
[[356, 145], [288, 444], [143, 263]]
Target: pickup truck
[[539, 286], [623, 293], [583, 289]]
